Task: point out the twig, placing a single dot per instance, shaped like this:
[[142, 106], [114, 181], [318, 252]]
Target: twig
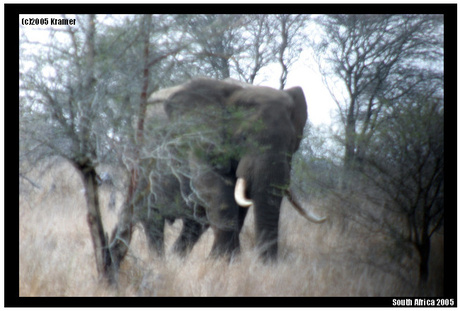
[[29, 180]]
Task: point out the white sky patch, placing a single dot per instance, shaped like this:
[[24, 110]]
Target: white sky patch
[[319, 101], [304, 73]]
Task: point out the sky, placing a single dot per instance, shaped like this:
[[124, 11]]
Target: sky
[[304, 73]]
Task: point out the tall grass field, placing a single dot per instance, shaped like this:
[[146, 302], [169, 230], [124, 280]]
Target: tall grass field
[[336, 258]]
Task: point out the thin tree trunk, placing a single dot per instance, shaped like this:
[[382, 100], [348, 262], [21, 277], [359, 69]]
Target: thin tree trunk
[[350, 137], [284, 44], [121, 235], [424, 252], [424, 247]]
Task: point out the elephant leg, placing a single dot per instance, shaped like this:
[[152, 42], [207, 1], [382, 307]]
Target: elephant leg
[[225, 222], [216, 191], [226, 243], [266, 218], [190, 234], [154, 230]]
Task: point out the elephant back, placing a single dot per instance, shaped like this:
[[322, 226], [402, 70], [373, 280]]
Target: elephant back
[[198, 97]]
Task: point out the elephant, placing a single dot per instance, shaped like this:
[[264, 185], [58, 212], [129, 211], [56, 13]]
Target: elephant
[[231, 147], [163, 196]]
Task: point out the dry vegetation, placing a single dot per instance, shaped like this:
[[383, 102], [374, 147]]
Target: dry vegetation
[[332, 259]]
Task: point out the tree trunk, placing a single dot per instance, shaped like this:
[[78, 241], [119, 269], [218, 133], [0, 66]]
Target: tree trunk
[[283, 47], [98, 235], [424, 252], [350, 137], [121, 235]]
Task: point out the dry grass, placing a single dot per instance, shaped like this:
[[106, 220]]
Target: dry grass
[[56, 255]]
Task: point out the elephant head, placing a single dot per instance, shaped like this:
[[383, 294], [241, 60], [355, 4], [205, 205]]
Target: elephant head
[[263, 173], [237, 143]]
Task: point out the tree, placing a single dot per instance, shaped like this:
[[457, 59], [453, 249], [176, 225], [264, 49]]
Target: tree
[[377, 59], [290, 27], [241, 45], [406, 162], [77, 99], [215, 40], [257, 48], [62, 101], [122, 234], [391, 109]]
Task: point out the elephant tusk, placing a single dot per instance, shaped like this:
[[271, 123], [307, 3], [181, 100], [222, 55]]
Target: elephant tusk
[[240, 197], [305, 213]]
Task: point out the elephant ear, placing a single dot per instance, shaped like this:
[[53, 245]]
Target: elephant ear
[[299, 112]]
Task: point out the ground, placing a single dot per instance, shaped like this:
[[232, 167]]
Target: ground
[[57, 259]]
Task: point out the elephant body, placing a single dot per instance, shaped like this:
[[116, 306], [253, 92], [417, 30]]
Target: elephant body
[[232, 148], [161, 196]]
